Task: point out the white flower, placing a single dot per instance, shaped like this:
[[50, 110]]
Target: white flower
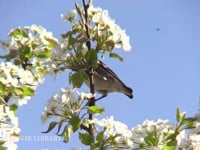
[[151, 128], [195, 141], [10, 145], [15, 75], [26, 77], [71, 15], [44, 117], [35, 28], [126, 42], [5, 112], [161, 127], [188, 141], [8, 73], [182, 140], [24, 100], [40, 31], [114, 128], [9, 131], [12, 76], [84, 95], [61, 105], [103, 21]]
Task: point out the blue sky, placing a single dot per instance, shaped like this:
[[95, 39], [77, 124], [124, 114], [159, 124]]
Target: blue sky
[[163, 67]]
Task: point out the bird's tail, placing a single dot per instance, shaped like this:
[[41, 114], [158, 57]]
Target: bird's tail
[[129, 92]]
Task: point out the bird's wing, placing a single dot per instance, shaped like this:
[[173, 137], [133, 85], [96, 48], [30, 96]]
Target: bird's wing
[[105, 68]]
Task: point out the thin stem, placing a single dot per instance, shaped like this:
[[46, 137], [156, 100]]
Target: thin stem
[[86, 6], [91, 78]]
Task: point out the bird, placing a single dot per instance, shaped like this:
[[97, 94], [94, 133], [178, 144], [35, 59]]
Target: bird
[[106, 81]]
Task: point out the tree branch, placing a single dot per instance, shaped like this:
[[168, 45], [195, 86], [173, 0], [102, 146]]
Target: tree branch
[[84, 128], [91, 78]]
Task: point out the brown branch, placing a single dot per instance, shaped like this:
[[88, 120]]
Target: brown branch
[[84, 128], [91, 78], [86, 6], [5, 98]]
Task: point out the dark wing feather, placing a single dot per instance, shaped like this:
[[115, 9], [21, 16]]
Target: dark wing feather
[[107, 69]]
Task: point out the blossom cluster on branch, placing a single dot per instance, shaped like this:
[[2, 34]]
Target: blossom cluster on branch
[[70, 108], [32, 52], [9, 129], [22, 69]]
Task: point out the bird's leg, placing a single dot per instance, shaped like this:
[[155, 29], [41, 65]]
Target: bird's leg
[[102, 96]]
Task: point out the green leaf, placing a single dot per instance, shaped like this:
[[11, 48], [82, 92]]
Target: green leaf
[[11, 55], [183, 115], [111, 139], [2, 147], [13, 108], [170, 138], [77, 79], [27, 52], [51, 126], [110, 44], [2, 142], [169, 147], [60, 126], [17, 62], [170, 142], [191, 119], [86, 138], [66, 134], [189, 123], [104, 47], [27, 91], [152, 139], [52, 42], [100, 137], [114, 55], [178, 116], [96, 110], [46, 53], [91, 57], [18, 33], [42, 71], [18, 91], [2, 89], [71, 40], [75, 122]]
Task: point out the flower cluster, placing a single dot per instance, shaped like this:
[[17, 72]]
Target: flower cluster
[[31, 47], [188, 141], [29, 53], [103, 30], [44, 36], [116, 133], [9, 131], [17, 83], [37, 37], [104, 25], [152, 133], [62, 106]]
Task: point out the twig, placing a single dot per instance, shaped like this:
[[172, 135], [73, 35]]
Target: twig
[[91, 78]]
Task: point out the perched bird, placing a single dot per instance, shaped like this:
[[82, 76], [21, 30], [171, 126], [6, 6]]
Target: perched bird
[[106, 81]]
